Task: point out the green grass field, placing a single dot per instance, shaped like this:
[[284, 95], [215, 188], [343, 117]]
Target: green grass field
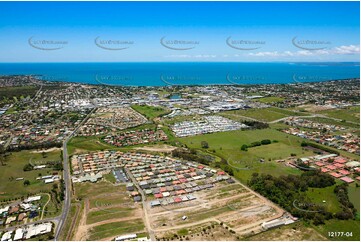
[[318, 195], [269, 99], [10, 188], [354, 195], [351, 114], [90, 143], [288, 112], [264, 115], [344, 226], [106, 214], [80, 144], [110, 177], [334, 122], [228, 146], [294, 232], [117, 228], [149, 111], [86, 189]]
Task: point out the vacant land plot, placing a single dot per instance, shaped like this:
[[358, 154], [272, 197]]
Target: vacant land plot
[[204, 232], [83, 144], [351, 114], [95, 189], [269, 99], [17, 92], [108, 212], [333, 225], [228, 146], [13, 168], [354, 196], [292, 232], [116, 228], [318, 195], [334, 122], [264, 115], [150, 112], [287, 111], [237, 208]]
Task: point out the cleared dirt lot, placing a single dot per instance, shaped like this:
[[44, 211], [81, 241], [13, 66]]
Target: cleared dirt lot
[[292, 232], [233, 210]]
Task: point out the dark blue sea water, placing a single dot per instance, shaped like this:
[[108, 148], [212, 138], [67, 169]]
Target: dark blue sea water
[[180, 73]]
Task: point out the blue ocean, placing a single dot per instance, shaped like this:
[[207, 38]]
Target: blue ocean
[[184, 73]]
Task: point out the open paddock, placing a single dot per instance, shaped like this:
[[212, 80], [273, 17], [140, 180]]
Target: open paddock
[[204, 232], [109, 230]]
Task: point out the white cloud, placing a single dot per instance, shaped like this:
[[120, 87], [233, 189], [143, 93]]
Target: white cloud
[[341, 50], [347, 50], [199, 56]]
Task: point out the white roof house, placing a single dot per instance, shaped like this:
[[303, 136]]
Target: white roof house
[[19, 233], [32, 199], [5, 209], [51, 180], [7, 236], [38, 229]]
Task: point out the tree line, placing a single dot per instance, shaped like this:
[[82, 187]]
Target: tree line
[[289, 192]]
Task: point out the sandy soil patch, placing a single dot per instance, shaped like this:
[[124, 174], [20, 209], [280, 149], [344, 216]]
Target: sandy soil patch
[[314, 108], [47, 150], [157, 148]]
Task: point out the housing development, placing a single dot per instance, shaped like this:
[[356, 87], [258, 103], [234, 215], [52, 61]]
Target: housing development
[[100, 162]]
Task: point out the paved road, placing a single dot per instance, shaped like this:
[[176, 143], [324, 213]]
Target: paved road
[[144, 198], [67, 180]]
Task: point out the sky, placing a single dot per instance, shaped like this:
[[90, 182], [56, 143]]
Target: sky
[[179, 31]]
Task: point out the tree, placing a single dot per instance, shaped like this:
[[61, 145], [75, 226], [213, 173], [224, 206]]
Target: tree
[[266, 142], [26, 183], [204, 145], [28, 167], [244, 147], [318, 219]]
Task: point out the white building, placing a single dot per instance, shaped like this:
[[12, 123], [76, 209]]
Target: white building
[[19, 234], [5, 209], [32, 199], [126, 237], [7, 236], [38, 229]]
